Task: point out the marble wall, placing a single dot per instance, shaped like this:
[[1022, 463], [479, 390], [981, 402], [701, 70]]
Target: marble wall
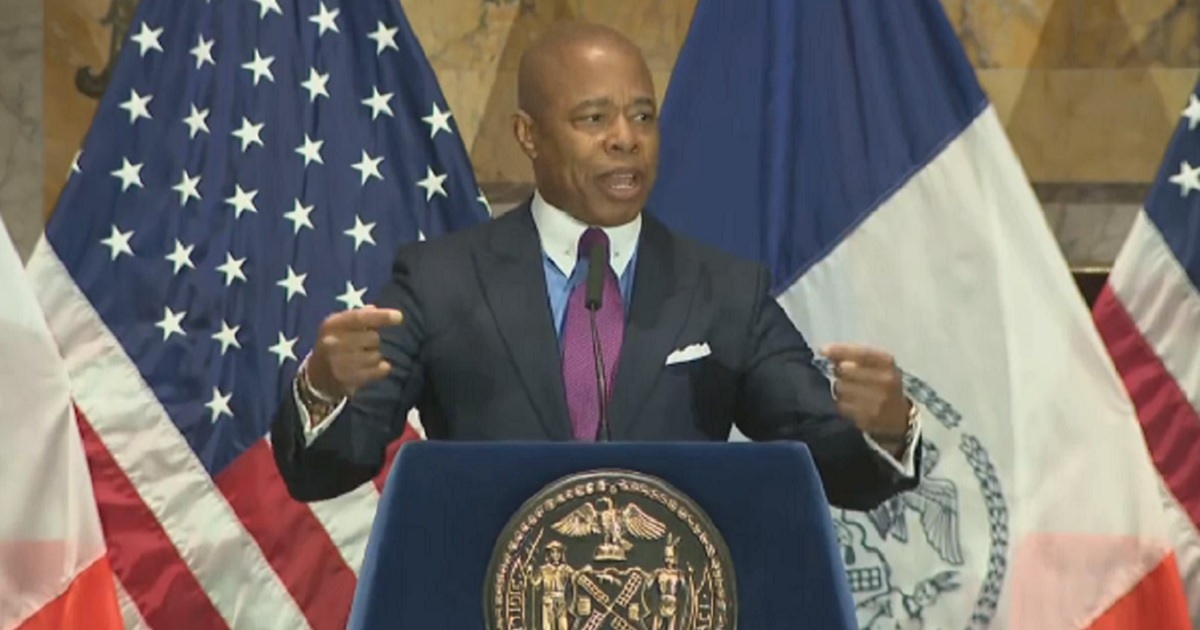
[[1089, 90], [21, 120]]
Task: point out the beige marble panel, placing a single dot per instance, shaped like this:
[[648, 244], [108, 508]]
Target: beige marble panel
[[462, 34], [1078, 33], [475, 47], [76, 42], [1090, 125], [658, 26], [21, 121], [1175, 85], [998, 33], [1003, 88]]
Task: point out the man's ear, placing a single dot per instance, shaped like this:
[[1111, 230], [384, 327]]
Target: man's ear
[[523, 131]]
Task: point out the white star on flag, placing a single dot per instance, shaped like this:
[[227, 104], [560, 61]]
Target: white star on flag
[[369, 167], [378, 103], [203, 52], [242, 201], [129, 174], [1192, 112], [284, 348], [219, 405], [147, 39], [196, 122], [1188, 178], [438, 120], [249, 133], [181, 257], [316, 85], [187, 188], [137, 106], [118, 242], [266, 6], [324, 20], [352, 298], [384, 38], [293, 283], [311, 150], [227, 337], [232, 269], [361, 233], [432, 184], [299, 216], [171, 323], [261, 67]]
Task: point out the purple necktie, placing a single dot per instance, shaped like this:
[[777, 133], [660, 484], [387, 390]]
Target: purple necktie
[[579, 361]]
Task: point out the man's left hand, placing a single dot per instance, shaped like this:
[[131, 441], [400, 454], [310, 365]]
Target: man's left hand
[[868, 389]]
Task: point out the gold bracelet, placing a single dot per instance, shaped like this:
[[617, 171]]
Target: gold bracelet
[[316, 393]]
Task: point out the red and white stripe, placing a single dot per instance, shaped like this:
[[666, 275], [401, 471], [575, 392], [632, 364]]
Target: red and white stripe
[[230, 551], [1149, 318]]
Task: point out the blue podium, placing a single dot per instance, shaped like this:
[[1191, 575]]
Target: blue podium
[[446, 505]]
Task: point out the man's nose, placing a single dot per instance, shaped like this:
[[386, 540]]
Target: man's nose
[[623, 139]]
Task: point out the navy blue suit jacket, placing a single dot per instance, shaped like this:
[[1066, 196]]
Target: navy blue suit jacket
[[478, 356]]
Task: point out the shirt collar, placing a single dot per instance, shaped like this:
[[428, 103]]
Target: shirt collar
[[559, 233]]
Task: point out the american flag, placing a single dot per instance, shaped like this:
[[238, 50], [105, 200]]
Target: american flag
[[1149, 316], [252, 168]]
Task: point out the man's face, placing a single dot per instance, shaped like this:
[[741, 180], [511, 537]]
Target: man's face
[[594, 144]]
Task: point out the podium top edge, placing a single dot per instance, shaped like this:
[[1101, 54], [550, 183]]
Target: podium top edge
[[674, 448]]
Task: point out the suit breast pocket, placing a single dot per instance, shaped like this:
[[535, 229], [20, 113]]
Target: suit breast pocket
[[706, 384]]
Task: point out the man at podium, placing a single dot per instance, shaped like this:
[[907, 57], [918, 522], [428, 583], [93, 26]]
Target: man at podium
[[512, 329]]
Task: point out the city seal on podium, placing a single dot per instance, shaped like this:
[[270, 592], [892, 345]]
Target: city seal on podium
[[610, 549]]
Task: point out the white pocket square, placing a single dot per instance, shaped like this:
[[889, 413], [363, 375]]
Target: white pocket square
[[689, 353]]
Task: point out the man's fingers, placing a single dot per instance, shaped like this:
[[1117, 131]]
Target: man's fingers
[[858, 373], [858, 354], [351, 363], [852, 392], [374, 318], [357, 376], [351, 341]]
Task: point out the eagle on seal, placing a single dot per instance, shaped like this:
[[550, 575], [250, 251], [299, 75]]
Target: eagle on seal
[[602, 517]]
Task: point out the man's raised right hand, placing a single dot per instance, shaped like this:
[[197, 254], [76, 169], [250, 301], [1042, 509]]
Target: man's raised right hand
[[346, 355]]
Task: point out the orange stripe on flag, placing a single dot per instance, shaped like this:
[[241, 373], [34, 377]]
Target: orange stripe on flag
[[1157, 601], [89, 602]]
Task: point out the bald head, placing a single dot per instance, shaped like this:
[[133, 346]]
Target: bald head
[[588, 122], [552, 56]]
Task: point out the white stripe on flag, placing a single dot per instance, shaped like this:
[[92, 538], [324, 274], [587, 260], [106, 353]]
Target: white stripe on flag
[[958, 276], [1187, 548], [1158, 295], [159, 463], [348, 520]]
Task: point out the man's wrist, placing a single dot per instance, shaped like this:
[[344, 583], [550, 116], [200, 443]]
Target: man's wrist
[[898, 442], [318, 404]]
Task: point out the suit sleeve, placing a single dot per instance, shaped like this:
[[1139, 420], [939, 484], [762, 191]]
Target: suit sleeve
[[785, 397], [351, 450]]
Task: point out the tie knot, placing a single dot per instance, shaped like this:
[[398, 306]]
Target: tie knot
[[590, 238]]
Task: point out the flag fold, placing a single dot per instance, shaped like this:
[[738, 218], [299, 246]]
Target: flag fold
[[848, 147]]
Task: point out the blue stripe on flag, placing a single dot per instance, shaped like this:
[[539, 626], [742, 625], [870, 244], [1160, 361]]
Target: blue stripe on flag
[[773, 105]]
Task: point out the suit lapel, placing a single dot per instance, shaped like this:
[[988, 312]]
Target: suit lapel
[[663, 288], [513, 279]]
